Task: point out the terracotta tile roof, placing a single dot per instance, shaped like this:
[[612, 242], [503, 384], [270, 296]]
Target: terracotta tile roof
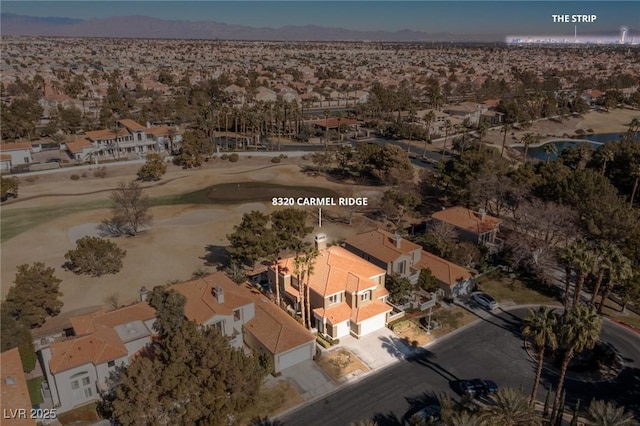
[[370, 310], [131, 125], [333, 122], [78, 145], [14, 393], [464, 218], [14, 146], [158, 131], [335, 270], [335, 314], [381, 245], [443, 270], [5, 157], [274, 328], [106, 134], [97, 348], [86, 324], [61, 322], [202, 305]]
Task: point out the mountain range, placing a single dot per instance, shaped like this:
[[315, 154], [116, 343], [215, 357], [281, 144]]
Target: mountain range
[[148, 27]]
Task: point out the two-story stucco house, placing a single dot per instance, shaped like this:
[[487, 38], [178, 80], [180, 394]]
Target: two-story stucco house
[[477, 227], [389, 251], [77, 368], [14, 154], [347, 293]]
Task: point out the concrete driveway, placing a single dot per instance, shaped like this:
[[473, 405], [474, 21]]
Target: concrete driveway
[[378, 349], [310, 380]]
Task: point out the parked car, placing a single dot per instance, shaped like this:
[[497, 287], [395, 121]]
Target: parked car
[[427, 415], [476, 387], [484, 300]]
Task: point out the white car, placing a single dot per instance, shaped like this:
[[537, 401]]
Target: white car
[[484, 300]]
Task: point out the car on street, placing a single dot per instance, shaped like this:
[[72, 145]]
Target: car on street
[[484, 300], [427, 415], [476, 387]]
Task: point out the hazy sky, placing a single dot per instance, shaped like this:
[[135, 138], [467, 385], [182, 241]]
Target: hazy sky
[[461, 17]]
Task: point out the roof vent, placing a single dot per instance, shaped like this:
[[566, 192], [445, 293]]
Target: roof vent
[[397, 239], [10, 380], [483, 214]]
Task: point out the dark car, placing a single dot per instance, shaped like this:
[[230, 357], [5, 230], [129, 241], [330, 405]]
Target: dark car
[[476, 387], [430, 413]]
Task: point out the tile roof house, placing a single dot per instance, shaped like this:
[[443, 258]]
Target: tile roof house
[[15, 401], [453, 279], [347, 293], [16, 153], [477, 227], [80, 149]]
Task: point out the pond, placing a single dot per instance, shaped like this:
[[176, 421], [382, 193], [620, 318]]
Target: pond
[[596, 140]]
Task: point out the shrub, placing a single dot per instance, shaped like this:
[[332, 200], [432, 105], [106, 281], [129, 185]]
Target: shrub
[[75, 177], [100, 172], [84, 174], [323, 342], [275, 160], [224, 157], [95, 256], [234, 157]]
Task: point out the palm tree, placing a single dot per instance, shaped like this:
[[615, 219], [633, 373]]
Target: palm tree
[[299, 271], [327, 113], [528, 139], [605, 155], [607, 253], [447, 127], [603, 413], [429, 118], [505, 128], [539, 326], [579, 257], [309, 262], [621, 271], [549, 149], [580, 331], [510, 408], [482, 132]]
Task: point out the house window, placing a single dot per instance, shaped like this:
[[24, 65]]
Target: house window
[[87, 392], [26, 159], [236, 314], [75, 385], [366, 295], [111, 364], [86, 381], [218, 326], [336, 298]]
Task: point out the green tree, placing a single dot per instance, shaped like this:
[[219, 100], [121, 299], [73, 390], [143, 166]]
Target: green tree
[[290, 227], [95, 256], [195, 149], [580, 331], [396, 204], [251, 240], [391, 165], [169, 306], [582, 260], [427, 281], [130, 208], [603, 413], [399, 288], [153, 169], [164, 386], [510, 408], [35, 294], [539, 326], [15, 334]]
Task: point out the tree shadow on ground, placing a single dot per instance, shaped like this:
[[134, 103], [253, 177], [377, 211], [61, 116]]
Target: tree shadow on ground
[[426, 358], [418, 402], [514, 326], [387, 419], [394, 346], [216, 256]]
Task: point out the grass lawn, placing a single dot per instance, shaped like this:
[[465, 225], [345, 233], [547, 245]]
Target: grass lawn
[[271, 401], [82, 416], [518, 290], [339, 363], [34, 386], [15, 222], [612, 310]]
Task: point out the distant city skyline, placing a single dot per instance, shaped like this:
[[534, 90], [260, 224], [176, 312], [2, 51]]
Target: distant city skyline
[[458, 17]]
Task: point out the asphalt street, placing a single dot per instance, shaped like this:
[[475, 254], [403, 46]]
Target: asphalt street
[[490, 349]]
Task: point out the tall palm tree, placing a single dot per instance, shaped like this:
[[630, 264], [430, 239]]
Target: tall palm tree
[[505, 129], [603, 413], [429, 117], [549, 149], [510, 408], [634, 174], [327, 113], [298, 270], [607, 255], [605, 155], [309, 263], [539, 326], [579, 331], [528, 139], [447, 127], [582, 260], [621, 271]]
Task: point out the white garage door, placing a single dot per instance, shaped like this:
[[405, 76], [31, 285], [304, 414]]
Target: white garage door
[[295, 356], [372, 324]]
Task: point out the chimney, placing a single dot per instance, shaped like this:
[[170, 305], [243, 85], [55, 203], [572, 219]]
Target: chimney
[[482, 213], [321, 241], [218, 293], [397, 239], [143, 293]]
